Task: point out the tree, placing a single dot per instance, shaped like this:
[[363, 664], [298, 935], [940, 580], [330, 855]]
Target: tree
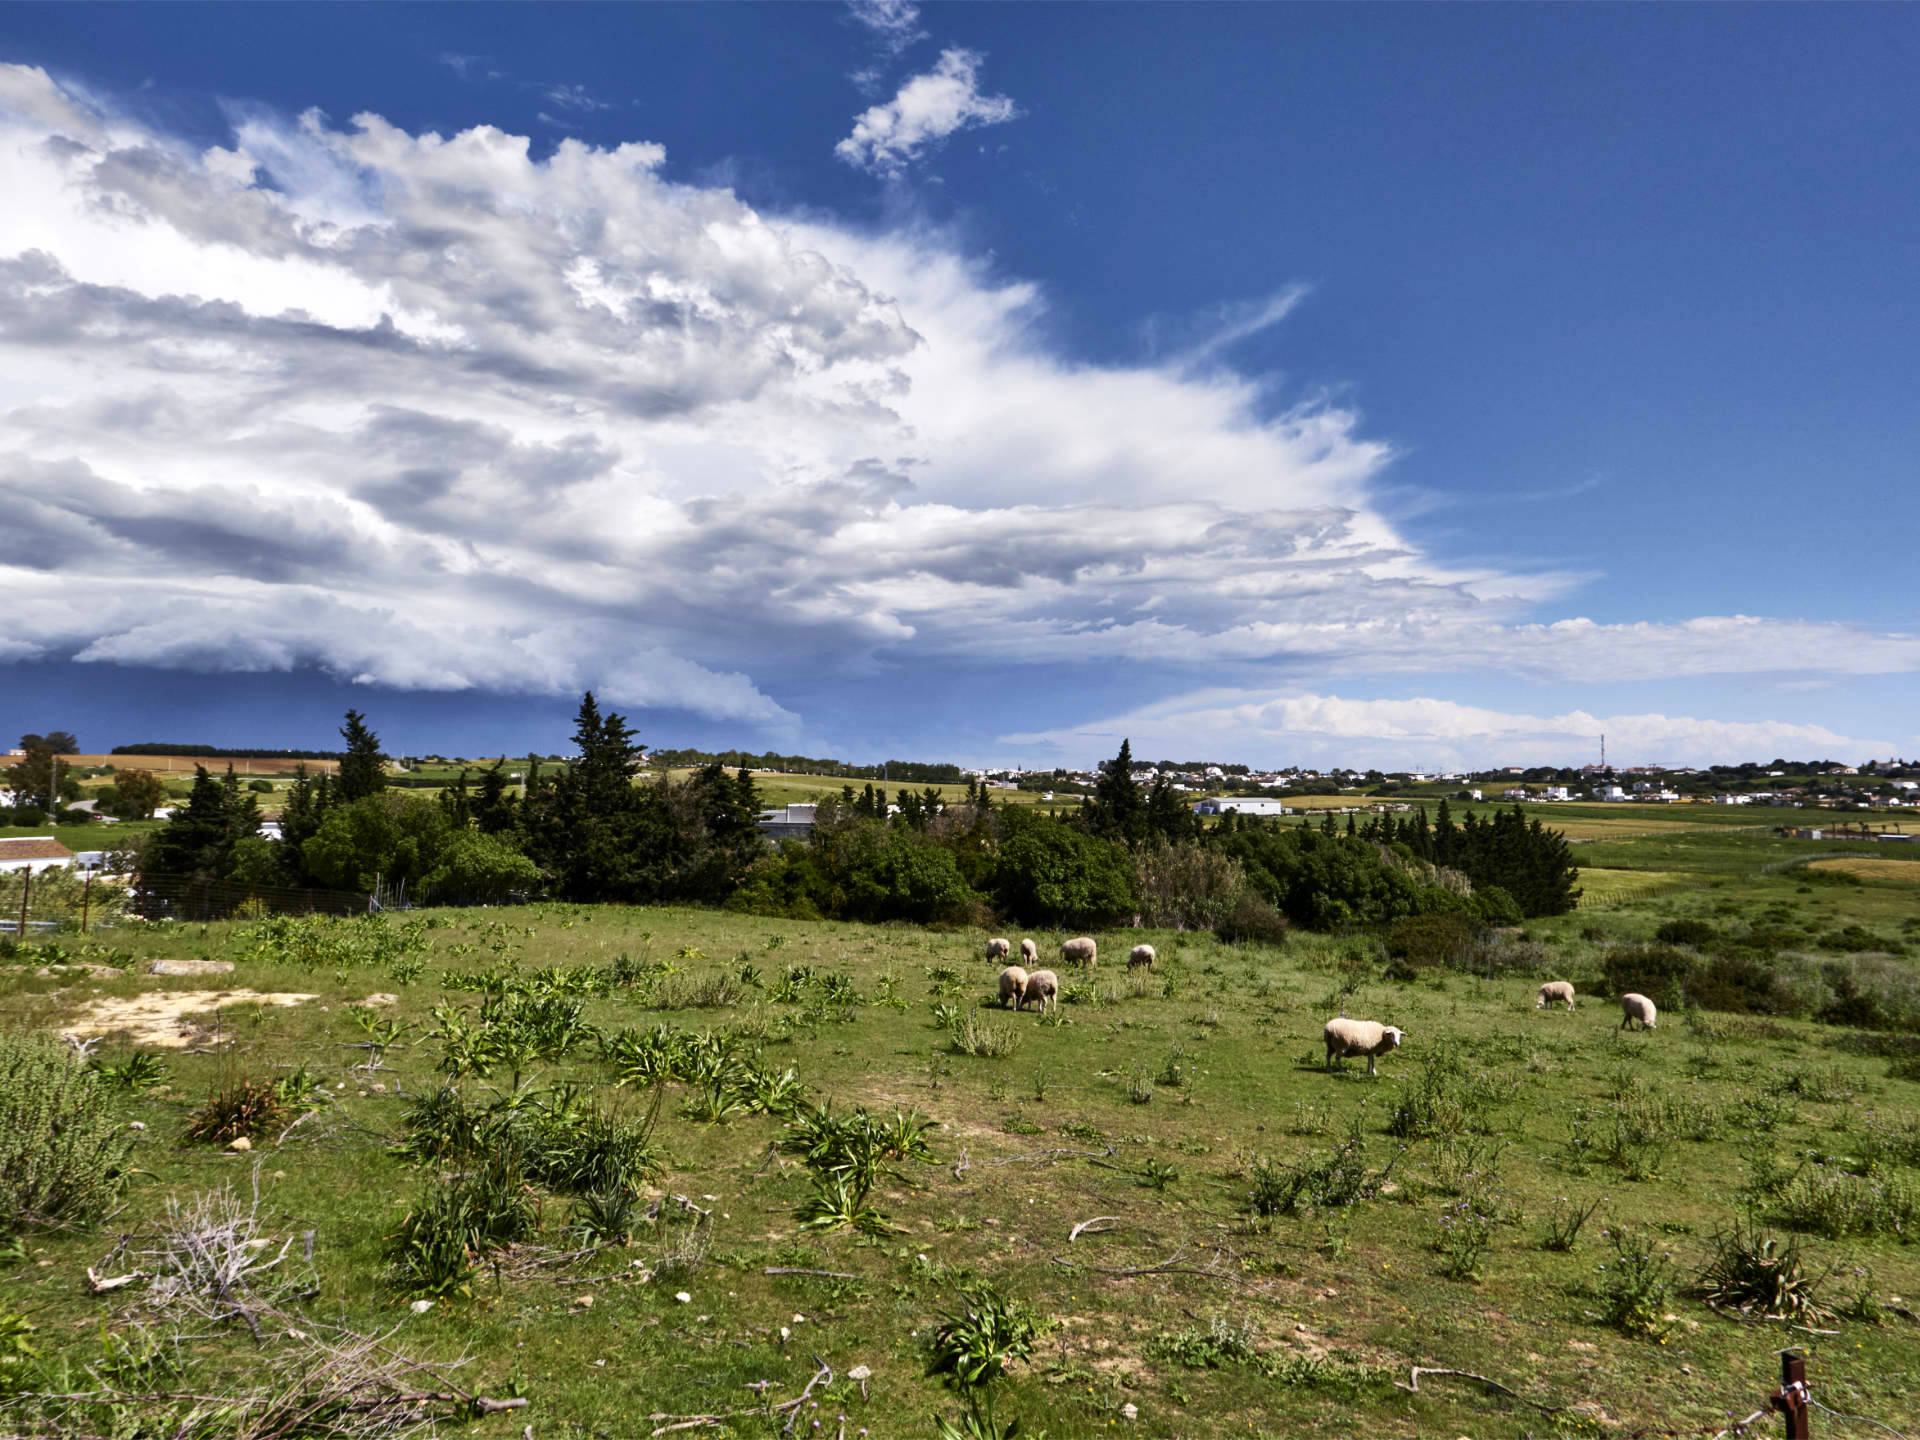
[[1049, 873], [390, 838], [35, 776], [363, 768], [57, 742], [137, 794], [200, 837], [1117, 811]]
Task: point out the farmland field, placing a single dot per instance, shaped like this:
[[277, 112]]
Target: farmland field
[[1156, 1107]]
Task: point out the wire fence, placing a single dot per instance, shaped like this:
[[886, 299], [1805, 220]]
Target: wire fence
[[62, 900]]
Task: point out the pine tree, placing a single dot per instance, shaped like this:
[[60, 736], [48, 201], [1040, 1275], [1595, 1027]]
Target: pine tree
[[363, 769], [1117, 810]]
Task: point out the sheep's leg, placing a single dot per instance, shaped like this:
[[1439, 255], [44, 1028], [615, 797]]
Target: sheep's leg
[[1369, 1065]]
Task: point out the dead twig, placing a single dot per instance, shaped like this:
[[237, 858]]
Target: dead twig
[[795, 1270], [1413, 1386], [1045, 1156], [1086, 1225]]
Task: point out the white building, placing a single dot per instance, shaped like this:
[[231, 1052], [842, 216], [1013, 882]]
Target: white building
[[788, 822], [1609, 792], [33, 854], [1258, 805]]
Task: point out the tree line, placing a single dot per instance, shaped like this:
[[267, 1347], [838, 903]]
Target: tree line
[[597, 829]]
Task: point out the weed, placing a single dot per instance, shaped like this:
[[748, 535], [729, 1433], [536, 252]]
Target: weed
[[1157, 1175], [140, 1071], [1174, 1073], [1339, 1179], [1634, 1290], [1040, 1080], [456, 1223], [1080, 1130], [606, 1217], [1837, 1206], [1462, 1234], [1139, 1087], [970, 1035], [1759, 1278], [839, 1202], [1564, 1223], [1312, 1117], [974, 1348], [1220, 1345], [240, 1107]]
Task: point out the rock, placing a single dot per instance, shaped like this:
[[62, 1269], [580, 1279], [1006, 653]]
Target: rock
[[190, 967], [583, 1302], [683, 1297], [860, 1372], [420, 1307], [1130, 1411], [136, 1125], [381, 998], [243, 1143]]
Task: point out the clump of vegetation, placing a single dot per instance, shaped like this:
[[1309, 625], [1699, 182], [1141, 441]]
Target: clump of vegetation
[[1340, 1179], [63, 1157], [1689, 931], [1462, 1234], [1565, 1222], [240, 1106], [971, 1035], [1759, 1277], [457, 1222], [1636, 1285]]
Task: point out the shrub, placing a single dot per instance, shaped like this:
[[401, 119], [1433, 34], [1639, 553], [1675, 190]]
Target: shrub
[[1422, 942], [1660, 972], [970, 1035], [1698, 933], [1252, 921], [1462, 1234], [63, 1157], [1836, 1206], [240, 1106]]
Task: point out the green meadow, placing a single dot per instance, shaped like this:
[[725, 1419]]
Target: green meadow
[[1183, 1223]]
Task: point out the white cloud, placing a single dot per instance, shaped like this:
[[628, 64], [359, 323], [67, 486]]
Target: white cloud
[[427, 411], [1428, 734], [894, 24], [930, 107]]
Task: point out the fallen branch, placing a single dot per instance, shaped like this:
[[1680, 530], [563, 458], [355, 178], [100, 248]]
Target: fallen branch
[[796, 1270], [1081, 1228], [100, 1285], [1413, 1386], [1040, 1156]]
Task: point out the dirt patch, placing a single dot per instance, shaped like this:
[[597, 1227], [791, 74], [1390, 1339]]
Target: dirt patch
[[159, 1017]]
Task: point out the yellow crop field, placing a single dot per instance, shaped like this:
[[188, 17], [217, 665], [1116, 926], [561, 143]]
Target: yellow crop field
[[1605, 887], [1867, 868]]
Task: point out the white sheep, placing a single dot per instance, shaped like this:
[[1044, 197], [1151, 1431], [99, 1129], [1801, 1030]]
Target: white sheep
[[1360, 1037], [1140, 955], [1081, 952], [1029, 954], [1013, 985], [1555, 990], [1638, 1007], [998, 949], [1044, 986]]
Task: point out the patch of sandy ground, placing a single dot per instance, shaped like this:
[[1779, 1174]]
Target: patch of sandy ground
[[158, 1018]]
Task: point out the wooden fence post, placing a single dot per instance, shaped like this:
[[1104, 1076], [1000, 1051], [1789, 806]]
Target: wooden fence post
[[26, 889], [86, 895], [1791, 1398]]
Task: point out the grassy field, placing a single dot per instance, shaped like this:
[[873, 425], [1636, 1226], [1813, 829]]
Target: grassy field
[[1159, 1103]]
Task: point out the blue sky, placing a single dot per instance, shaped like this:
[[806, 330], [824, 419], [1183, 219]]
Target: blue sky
[[1401, 386]]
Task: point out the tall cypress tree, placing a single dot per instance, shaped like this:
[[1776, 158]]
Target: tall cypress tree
[[1117, 810], [362, 771]]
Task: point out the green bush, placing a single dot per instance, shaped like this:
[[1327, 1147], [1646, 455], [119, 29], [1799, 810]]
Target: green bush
[[63, 1156], [1690, 931], [1659, 972], [1252, 921], [1423, 942]]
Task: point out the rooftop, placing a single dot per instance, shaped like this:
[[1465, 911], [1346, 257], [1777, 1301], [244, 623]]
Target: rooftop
[[34, 847]]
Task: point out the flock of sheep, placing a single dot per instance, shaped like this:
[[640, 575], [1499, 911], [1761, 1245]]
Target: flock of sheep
[[1344, 1037]]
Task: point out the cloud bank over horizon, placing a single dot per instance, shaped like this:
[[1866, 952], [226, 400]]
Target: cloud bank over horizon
[[430, 412]]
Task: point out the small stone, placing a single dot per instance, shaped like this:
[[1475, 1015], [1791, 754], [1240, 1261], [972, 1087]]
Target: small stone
[[683, 1297], [136, 1125], [1129, 1411], [583, 1302], [785, 1334], [1686, 1369], [379, 1087], [363, 1094], [420, 1307], [243, 1143], [799, 1319]]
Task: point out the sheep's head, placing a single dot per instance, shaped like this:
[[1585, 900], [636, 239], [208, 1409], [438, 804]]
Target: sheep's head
[[1390, 1038]]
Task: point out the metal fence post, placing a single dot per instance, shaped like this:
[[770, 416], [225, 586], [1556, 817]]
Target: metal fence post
[[1791, 1398]]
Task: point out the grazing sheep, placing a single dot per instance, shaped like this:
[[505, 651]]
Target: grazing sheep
[[1013, 985], [998, 949], [1555, 990], [1029, 954], [1140, 955], [1044, 986], [1081, 952], [1360, 1037], [1638, 1007]]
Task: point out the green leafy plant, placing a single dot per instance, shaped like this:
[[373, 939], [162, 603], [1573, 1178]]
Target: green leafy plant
[[1565, 1222], [974, 1348], [1635, 1286], [63, 1155], [1462, 1234], [140, 1071]]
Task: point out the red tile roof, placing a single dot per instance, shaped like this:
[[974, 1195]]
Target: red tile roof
[[34, 847]]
